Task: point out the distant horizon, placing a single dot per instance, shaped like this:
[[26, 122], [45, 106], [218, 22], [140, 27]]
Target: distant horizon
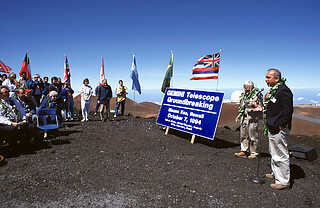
[[300, 96]]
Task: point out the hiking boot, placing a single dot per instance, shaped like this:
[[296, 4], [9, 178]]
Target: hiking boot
[[240, 154], [279, 186], [270, 176]]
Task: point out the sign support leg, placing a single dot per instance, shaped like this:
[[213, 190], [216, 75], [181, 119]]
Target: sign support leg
[[167, 130], [193, 138]]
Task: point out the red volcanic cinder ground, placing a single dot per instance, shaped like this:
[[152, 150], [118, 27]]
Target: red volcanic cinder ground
[[130, 162]]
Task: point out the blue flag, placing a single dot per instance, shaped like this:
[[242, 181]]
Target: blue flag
[[134, 76]]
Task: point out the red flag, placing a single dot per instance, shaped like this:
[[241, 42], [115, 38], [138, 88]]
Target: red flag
[[102, 77], [67, 74], [26, 67], [4, 68]]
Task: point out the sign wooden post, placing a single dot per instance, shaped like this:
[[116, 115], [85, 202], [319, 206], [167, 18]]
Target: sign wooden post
[[193, 138], [167, 130]]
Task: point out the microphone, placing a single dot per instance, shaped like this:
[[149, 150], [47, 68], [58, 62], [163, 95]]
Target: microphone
[[261, 89]]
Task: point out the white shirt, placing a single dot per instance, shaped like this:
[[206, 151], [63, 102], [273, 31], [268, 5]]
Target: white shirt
[[4, 120], [12, 87], [86, 91]]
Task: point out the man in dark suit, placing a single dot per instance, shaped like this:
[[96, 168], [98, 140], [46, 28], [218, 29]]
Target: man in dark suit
[[279, 109]]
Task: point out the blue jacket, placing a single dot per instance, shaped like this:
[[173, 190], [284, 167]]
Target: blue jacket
[[104, 94], [64, 93], [47, 103], [33, 86], [45, 90]]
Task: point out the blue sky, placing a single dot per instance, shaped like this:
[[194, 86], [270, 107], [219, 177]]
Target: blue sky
[[253, 35]]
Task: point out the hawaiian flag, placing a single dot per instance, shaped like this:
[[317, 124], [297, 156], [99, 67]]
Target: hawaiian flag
[[206, 67], [67, 74], [4, 68], [102, 76], [26, 67]]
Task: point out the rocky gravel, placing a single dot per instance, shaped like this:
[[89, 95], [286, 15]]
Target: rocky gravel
[[130, 162]]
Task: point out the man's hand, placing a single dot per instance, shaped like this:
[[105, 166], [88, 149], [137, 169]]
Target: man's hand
[[258, 108], [15, 124], [22, 122]]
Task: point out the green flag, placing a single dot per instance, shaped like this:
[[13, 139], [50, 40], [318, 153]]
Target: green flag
[[168, 76]]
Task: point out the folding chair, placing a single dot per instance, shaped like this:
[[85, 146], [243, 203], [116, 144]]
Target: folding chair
[[48, 112]]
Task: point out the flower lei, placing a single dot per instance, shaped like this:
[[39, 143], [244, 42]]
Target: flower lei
[[242, 106], [267, 99], [54, 104], [27, 107], [6, 111]]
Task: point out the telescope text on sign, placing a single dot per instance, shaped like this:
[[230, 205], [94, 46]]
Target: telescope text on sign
[[193, 111]]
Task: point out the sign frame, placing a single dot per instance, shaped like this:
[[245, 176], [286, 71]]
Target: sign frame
[[164, 110]]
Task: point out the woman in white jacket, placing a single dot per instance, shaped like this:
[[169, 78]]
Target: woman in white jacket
[[86, 93]]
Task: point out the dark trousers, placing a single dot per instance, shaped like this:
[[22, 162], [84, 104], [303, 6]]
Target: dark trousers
[[37, 98], [97, 107], [23, 133], [122, 104], [8, 134]]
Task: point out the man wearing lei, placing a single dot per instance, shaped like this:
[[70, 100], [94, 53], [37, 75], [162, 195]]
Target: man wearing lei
[[29, 106], [250, 112], [13, 123], [278, 113]]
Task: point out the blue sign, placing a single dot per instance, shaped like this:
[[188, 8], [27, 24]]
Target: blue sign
[[193, 111]]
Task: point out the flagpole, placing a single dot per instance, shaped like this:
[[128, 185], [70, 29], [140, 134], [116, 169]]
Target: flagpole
[[172, 68], [134, 103], [218, 74], [64, 66]]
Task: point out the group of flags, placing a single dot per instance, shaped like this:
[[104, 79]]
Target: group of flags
[[207, 67], [134, 74]]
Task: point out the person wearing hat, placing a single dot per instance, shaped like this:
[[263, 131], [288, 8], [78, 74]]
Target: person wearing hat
[[250, 112], [35, 85]]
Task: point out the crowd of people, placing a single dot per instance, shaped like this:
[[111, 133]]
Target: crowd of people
[[19, 101], [21, 98]]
